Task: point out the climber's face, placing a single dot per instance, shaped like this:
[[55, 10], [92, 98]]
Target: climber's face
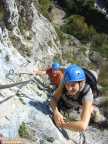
[[72, 88]]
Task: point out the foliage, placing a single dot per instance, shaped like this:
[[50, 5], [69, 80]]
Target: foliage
[[87, 9], [100, 44], [77, 6], [23, 24], [2, 13], [70, 6], [45, 6], [23, 130], [70, 58], [60, 34], [103, 79], [77, 26]]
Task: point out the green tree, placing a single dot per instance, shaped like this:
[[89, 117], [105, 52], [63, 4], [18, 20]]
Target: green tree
[[76, 6], [77, 26], [45, 5]]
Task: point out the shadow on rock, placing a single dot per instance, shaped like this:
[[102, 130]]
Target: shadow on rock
[[41, 106], [44, 108], [102, 125]]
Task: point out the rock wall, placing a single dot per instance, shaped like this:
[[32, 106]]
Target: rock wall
[[28, 40]]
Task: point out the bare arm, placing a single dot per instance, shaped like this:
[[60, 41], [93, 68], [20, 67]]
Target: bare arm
[[82, 124], [57, 116], [39, 72], [55, 99]]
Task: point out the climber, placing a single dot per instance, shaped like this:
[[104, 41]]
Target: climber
[[72, 102], [55, 73]]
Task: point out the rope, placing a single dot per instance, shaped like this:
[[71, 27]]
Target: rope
[[34, 79], [82, 139], [14, 84], [6, 99], [11, 72]]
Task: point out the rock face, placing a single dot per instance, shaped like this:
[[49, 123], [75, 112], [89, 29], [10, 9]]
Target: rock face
[[30, 33], [45, 44], [28, 39], [73, 51]]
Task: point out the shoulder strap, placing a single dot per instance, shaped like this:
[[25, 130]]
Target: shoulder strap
[[91, 80], [90, 76], [83, 92]]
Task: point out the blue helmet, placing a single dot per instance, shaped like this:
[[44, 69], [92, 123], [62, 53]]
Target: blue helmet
[[56, 66], [74, 73]]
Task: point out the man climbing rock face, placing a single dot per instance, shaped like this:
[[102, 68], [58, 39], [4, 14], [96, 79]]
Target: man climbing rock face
[[74, 93], [54, 72]]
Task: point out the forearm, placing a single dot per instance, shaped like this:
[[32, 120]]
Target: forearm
[[76, 126], [82, 124], [53, 105], [40, 72]]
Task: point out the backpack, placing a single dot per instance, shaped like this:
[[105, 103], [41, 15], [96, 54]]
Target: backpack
[[91, 80]]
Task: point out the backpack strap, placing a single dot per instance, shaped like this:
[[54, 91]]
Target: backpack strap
[[91, 80], [90, 76], [83, 92]]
